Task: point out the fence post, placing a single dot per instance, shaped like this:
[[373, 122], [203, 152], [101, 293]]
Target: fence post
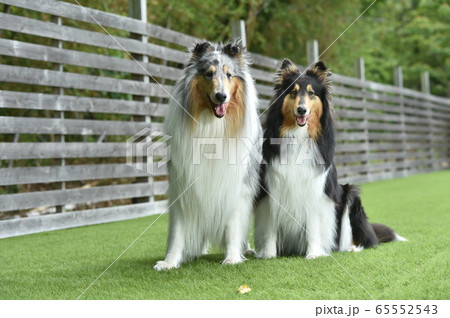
[[425, 82], [59, 91], [360, 72], [138, 10], [238, 31], [425, 87], [312, 51], [398, 81]]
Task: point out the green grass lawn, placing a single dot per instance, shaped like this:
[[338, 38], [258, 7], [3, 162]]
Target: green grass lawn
[[62, 264]]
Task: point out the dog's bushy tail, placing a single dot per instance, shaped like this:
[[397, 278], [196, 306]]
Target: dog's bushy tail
[[385, 234], [364, 233]]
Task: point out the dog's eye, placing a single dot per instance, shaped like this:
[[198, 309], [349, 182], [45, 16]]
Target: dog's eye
[[311, 93], [229, 75], [209, 74], [294, 93]]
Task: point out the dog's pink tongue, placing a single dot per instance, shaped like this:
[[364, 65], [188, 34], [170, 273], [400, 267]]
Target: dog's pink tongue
[[219, 110], [301, 120]]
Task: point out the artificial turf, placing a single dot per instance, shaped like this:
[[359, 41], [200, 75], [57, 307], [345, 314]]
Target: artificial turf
[[62, 264]]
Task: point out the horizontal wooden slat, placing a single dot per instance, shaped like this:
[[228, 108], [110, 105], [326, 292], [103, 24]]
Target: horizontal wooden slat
[[421, 162], [351, 136], [41, 150], [414, 127], [25, 125], [382, 87], [59, 221], [64, 33], [385, 137], [351, 125], [71, 57], [387, 127], [346, 80], [262, 75], [353, 147], [29, 175], [264, 89], [264, 103], [347, 114], [417, 154], [28, 200], [346, 102], [76, 12], [21, 100], [358, 169], [265, 61], [351, 170], [19, 74], [360, 104], [351, 158], [374, 177], [378, 96], [347, 91], [388, 166]]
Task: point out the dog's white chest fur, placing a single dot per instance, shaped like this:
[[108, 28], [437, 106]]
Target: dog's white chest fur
[[298, 203], [211, 164]]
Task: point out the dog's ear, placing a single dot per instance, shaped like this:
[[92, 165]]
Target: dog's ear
[[200, 48], [233, 50], [287, 67], [321, 71]]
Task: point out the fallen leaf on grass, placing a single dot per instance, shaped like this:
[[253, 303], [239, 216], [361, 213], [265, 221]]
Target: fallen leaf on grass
[[244, 289]]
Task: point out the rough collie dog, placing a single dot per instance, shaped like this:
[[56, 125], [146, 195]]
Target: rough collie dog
[[305, 211], [213, 171]]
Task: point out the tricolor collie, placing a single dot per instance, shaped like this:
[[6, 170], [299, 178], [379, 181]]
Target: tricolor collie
[[305, 211], [213, 173]]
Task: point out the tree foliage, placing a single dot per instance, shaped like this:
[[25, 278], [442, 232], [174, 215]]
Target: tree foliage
[[413, 34]]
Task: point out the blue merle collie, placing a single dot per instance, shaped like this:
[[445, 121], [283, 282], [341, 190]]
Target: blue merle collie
[[303, 210], [214, 128]]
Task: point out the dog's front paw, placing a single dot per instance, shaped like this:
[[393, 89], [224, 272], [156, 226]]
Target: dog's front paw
[[355, 248], [250, 252], [314, 255], [233, 260], [264, 254], [163, 265]]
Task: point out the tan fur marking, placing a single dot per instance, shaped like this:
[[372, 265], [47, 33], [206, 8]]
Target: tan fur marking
[[198, 100], [235, 109], [316, 109], [290, 104]]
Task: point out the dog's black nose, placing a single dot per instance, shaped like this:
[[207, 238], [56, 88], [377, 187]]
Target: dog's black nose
[[220, 97], [301, 110]]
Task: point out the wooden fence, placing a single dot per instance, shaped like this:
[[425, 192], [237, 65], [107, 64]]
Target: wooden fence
[[65, 117]]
